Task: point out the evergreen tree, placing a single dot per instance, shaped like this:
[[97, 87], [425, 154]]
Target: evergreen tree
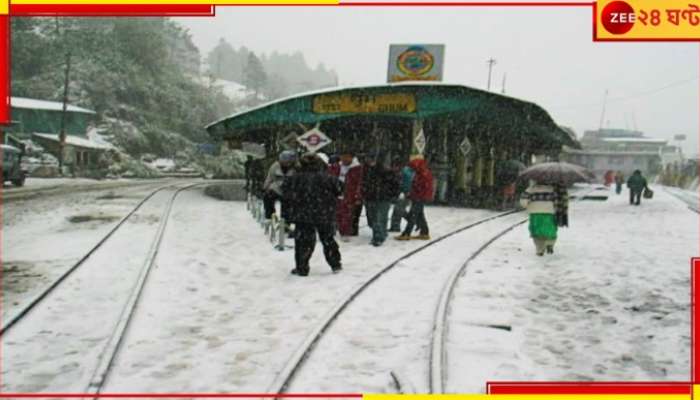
[[254, 76]]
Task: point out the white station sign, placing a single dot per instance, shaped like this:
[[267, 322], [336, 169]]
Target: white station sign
[[314, 140]]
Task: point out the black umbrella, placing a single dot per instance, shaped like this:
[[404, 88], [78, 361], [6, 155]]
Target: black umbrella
[[557, 173]]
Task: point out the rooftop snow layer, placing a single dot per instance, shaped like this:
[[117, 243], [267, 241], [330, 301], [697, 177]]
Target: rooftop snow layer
[[75, 141], [34, 104]]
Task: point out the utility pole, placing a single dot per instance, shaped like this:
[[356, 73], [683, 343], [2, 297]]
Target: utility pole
[[62, 133], [503, 85], [491, 62]]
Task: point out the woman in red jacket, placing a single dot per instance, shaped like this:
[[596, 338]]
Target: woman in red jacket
[[349, 171], [421, 193]]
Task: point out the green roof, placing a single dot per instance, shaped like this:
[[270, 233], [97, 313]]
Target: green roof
[[425, 101]]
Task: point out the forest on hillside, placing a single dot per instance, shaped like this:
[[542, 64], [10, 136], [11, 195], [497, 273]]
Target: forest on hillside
[[145, 77]]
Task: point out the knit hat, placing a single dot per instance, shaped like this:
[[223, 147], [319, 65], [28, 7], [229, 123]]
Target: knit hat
[[288, 156]]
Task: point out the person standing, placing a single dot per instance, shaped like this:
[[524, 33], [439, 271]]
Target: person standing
[[280, 170], [349, 172], [539, 200], [248, 167], [508, 195], [636, 184], [402, 202], [608, 178], [380, 186], [420, 194], [312, 194], [619, 181]]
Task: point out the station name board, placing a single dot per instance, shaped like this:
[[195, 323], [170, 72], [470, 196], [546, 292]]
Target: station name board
[[379, 103]]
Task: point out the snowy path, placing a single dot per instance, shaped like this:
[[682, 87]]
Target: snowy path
[[385, 328], [612, 303], [43, 237], [689, 197], [220, 312], [222, 306], [57, 345]]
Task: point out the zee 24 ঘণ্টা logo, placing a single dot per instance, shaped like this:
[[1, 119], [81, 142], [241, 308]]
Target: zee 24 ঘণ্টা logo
[[619, 17], [415, 61]]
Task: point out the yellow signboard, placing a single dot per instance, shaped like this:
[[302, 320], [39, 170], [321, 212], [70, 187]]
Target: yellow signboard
[[363, 103], [647, 20]]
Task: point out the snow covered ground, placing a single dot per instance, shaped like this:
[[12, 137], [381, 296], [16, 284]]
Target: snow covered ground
[[220, 312], [612, 303], [44, 236]]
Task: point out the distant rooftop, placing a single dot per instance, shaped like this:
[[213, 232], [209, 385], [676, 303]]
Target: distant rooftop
[[75, 141], [611, 133], [635, 140], [34, 104]]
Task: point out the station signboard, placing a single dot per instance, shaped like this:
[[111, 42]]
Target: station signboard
[[415, 62]]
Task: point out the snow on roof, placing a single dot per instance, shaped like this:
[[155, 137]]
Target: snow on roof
[[75, 141], [34, 104], [10, 148], [636, 140], [232, 90], [341, 88]]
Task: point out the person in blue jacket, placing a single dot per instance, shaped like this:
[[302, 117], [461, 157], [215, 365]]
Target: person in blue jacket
[[402, 202]]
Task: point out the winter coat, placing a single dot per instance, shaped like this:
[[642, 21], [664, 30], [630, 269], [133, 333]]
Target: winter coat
[[619, 178], [407, 175], [422, 185], [636, 182], [380, 184], [312, 197], [352, 187], [538, 199], [276, 176]]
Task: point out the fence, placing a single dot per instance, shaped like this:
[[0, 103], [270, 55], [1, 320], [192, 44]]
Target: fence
[[275, 228]]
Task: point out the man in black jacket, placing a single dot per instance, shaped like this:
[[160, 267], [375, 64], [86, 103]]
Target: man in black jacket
[[312, 194], [380, 187]]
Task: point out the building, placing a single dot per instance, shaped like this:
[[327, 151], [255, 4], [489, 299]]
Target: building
[[32, 115], [40, 121], [621, 150]]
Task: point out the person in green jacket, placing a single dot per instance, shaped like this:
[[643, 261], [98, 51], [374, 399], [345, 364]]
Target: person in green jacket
[[636, 183]]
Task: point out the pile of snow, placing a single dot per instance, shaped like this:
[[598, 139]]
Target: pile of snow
[[233, 90], [163, 164]]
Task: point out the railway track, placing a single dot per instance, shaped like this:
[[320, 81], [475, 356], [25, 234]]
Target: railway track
[[19, 194], [437, 363], [296, 361], [437, 359], [15, 317], [687, 198], [106, 348]]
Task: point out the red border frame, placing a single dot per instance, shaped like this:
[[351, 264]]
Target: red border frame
[[192, 10]]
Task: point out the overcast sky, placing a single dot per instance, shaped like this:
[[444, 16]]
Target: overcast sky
[[547, 53]]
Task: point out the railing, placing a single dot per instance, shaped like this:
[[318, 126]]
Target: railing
[[275, 228]]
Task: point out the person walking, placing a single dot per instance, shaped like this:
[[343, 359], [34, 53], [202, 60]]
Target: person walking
[[547, 207], [281, 169], [380, 186], [402, 201], [619, 181], [420, 194], [636, 184], [312, 194], [349, 172]]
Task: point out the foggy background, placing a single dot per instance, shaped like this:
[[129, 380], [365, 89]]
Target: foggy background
[[547, 54]]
